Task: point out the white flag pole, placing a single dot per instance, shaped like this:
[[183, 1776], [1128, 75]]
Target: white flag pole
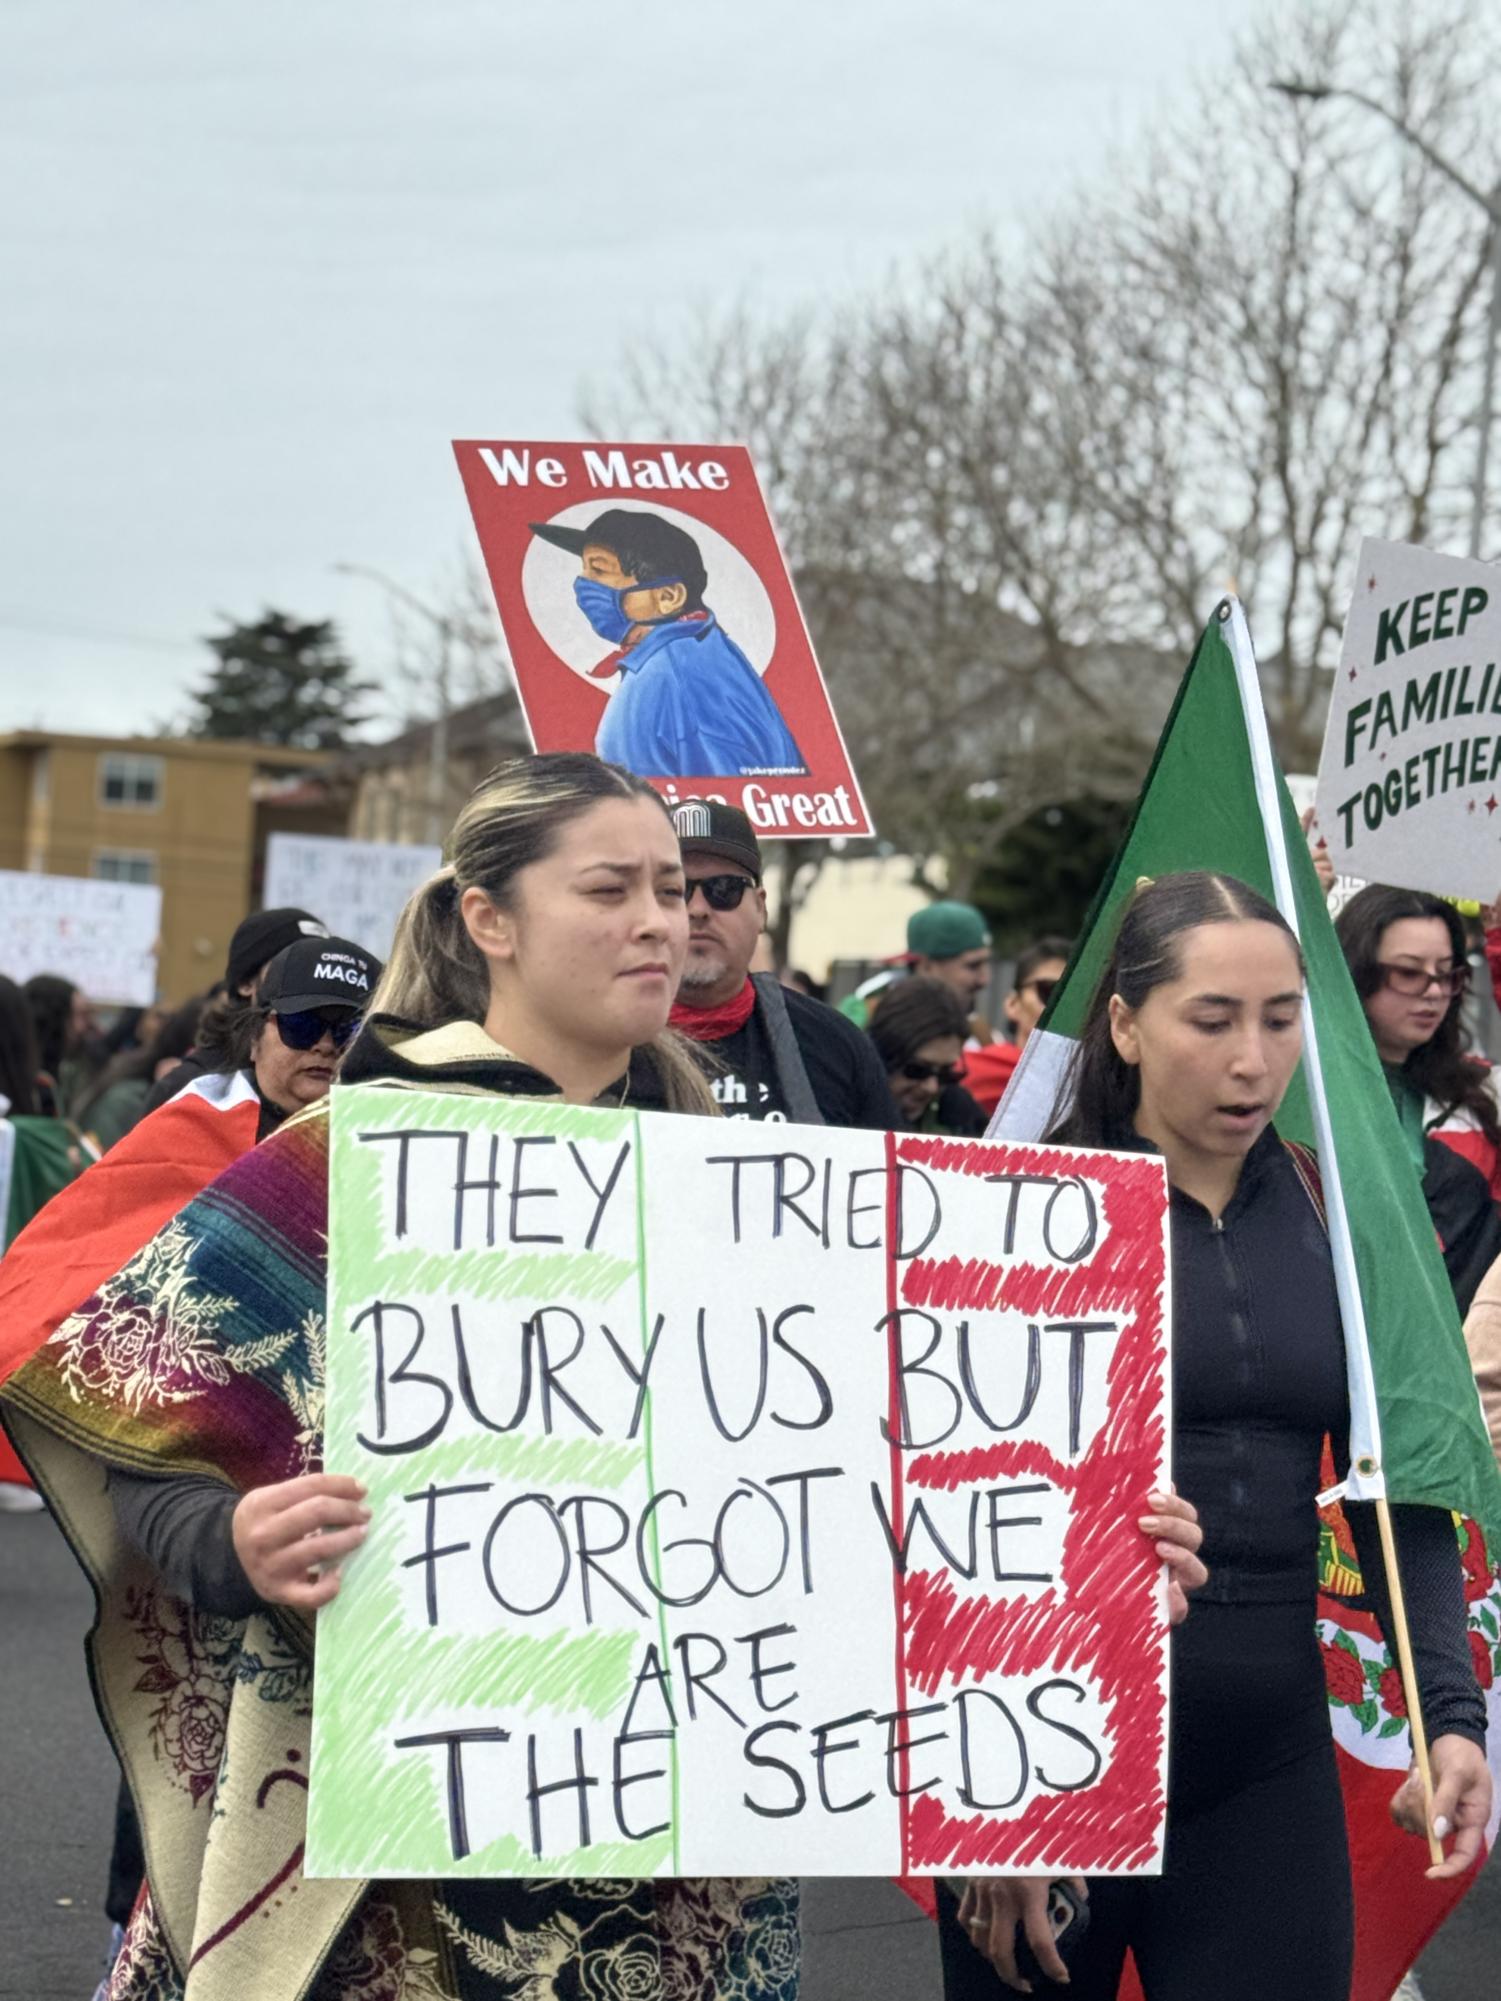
[[1367, 1479]]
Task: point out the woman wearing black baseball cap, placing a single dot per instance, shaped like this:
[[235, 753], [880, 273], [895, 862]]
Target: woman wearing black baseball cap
[[257, 940], [306, 1009]]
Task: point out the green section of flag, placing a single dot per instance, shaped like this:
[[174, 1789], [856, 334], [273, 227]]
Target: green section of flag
[[1200, 809]]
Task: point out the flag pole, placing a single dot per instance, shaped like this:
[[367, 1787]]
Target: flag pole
[[1409, 1674], [1367, 1481]]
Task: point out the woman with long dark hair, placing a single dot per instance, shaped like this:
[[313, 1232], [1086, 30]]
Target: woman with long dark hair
[[1407, 956], [918, 1026], [39, 1155], [541, 963], [1191, 1040], [63, 1021]]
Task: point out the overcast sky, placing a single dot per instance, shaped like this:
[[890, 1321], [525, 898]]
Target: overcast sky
[[260, 264]]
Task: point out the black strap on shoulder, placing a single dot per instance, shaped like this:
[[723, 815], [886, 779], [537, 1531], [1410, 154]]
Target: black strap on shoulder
[[792, 1075]]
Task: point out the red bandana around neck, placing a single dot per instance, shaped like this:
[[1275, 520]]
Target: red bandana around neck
[[713, 1024]]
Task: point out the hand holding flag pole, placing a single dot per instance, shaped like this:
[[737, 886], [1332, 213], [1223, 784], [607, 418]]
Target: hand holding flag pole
[[1409, 1675]]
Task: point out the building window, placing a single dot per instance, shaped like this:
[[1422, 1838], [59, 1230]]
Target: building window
[[127, 779], [121, 865]]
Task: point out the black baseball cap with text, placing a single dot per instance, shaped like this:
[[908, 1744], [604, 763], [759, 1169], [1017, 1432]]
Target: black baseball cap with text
[[319, 972], [705, 827]]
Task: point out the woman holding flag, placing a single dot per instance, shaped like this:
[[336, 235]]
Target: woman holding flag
[[1188, 1046]]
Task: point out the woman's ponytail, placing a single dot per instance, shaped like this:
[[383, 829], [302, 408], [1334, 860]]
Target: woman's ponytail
[[435, 972]]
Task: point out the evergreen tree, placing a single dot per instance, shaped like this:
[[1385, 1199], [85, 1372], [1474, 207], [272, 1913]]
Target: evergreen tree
[[280, 681], [1044, 875]]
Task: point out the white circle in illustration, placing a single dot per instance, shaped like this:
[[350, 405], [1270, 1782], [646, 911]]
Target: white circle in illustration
[[734, 593]]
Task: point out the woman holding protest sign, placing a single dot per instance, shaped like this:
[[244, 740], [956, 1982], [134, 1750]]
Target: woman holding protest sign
[[1407, 955], [1191, 1040], [541, 963]]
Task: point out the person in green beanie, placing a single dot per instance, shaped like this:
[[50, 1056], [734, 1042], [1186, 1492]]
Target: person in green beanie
[[945, 941]]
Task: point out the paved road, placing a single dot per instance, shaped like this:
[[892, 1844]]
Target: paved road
[[862, 1941]]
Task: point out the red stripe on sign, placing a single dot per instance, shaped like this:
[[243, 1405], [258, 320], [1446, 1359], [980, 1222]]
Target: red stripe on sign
[[895, 1502], [1097, 1622]]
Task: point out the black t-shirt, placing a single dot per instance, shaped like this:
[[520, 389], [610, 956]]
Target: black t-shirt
[[844, 1071]]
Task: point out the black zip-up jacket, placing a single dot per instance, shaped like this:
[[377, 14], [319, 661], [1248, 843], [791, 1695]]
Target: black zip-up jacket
[[1258, 1383]]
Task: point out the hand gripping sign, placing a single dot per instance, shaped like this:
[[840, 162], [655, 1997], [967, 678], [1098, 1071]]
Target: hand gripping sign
[[742, 1505], [650, 618]]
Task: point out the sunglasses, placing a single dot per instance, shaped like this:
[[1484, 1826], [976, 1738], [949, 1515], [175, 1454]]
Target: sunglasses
[[1044, 989], [917, 1072], [1414, 981], [306, 1028], [721, 892]]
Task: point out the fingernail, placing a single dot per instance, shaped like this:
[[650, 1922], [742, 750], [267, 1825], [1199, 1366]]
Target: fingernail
[[1441, 1827], [366, 1513], [1157, 1500], [1148, 1522], [360, 1487]]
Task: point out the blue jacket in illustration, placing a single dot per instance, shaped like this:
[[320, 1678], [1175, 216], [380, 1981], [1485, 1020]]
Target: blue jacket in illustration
[[690, 705]]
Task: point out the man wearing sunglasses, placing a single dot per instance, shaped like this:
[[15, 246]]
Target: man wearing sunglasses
[[777, 1053], [307, 1007]]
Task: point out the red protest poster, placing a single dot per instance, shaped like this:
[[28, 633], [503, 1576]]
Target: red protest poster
[[1066, 1659], [650, 618]]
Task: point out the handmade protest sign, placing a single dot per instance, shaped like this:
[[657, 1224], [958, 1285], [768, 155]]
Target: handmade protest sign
[[100, 935], [1410, 775], [358, 888], [741, 1505], [650, 617]]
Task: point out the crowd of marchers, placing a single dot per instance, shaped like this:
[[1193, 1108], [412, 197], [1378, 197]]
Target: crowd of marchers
[[584, 942]]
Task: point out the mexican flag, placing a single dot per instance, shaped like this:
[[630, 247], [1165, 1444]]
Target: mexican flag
[[1215, 799], [97, 1223]]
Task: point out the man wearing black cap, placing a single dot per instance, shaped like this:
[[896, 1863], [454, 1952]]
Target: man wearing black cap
[[686, 701], [779, 1054], [254, 945]]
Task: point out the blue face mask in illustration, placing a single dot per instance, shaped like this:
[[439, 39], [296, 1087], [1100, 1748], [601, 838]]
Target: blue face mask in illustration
[[605, 610]]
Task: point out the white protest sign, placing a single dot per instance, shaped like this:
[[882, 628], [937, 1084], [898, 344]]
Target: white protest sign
[[1410, 776], [100, 935], [357, 888], [741, 1505]]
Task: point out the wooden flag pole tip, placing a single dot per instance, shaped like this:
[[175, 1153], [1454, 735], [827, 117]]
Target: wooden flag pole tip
[[1408, 1673]]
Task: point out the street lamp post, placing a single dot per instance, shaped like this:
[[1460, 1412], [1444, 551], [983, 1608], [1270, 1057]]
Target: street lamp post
[[1490, 204], [437, 769]]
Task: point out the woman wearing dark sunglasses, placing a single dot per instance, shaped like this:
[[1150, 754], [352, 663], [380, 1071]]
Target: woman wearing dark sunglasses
[[919, 1028], [1407, 956], [307, 1007]]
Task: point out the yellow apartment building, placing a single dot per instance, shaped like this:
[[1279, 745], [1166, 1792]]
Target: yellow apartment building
[[188, 813]]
